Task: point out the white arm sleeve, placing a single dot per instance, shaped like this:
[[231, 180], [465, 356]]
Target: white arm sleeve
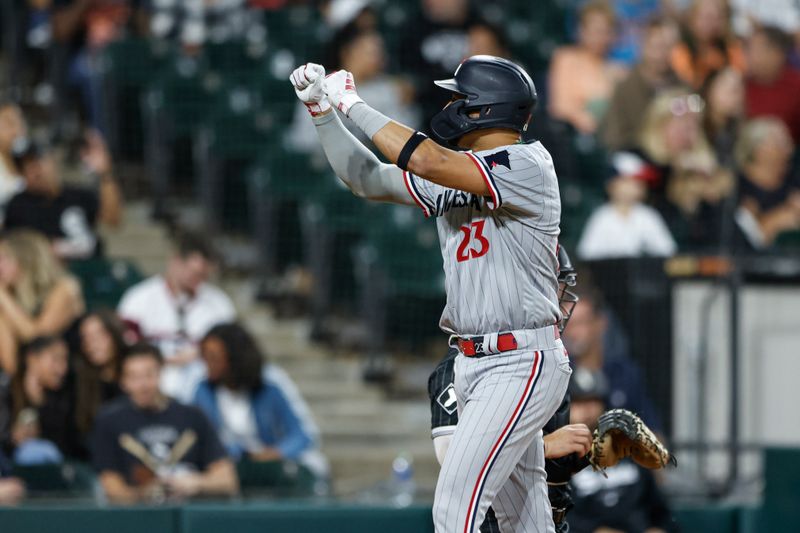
[[440, 445], [359, 168]]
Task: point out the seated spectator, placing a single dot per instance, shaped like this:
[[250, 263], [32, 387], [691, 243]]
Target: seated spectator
[[623, 498], [581, 77], [621, 124], [589, 342], [694, 207], [632, 20], [625, 226], [769, 196], [42, 404], [362, 53], [434, 43], [97, 367], [12, 128], [67, 215], [146, 446], [254, 405], [723, 94], [708, 43], [175, 310], [671, 136], [81, 29], [772, 86], [37, 298]]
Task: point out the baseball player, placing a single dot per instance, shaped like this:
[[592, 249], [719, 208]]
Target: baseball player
[[497, 207], [566, 445]]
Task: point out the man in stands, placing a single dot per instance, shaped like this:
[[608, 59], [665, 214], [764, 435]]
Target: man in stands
[[147, 447], [175, 310]]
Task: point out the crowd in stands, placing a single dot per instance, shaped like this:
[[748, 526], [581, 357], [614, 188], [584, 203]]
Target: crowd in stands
[[164, 396], [678, 121]]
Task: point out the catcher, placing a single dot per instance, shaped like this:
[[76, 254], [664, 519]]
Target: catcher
[[569, 448]]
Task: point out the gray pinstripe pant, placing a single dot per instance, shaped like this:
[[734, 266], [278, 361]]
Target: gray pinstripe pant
[[496, 456]]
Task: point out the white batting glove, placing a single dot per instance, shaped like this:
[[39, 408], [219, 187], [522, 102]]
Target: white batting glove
[[308, 81], [341, 90]]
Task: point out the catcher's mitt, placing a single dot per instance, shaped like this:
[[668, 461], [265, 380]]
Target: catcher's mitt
[[620, 434]]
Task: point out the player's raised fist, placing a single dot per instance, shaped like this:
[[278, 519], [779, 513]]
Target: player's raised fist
[[308, 82], [341, 90]]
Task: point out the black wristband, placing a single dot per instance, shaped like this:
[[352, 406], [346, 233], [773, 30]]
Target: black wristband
[[411, 145]]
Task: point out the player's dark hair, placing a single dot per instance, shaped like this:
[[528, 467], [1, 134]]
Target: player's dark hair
[[38, 344], [777, 38], [245, 358], [189, 243], [143, 349]]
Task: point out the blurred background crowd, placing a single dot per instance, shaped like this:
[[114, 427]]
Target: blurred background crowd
[[673, 125]]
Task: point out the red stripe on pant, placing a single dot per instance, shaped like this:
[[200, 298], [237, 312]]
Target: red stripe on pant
[[498, 446]]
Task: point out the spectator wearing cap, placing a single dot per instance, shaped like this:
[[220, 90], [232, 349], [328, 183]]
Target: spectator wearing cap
[[769, 195], [175, 310], [772, 86], [12, 128], [652, 74], [68, 215], [582, 78], [625, 497], [37, 298], [625, 226], [593, 344]]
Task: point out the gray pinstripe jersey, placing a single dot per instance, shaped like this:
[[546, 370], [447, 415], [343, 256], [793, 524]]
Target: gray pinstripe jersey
[[500, 251]]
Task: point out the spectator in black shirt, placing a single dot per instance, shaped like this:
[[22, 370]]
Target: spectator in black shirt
[[41, 402], [626, 498], [66, 214], [436, 43], [769, 197], [136, 441]]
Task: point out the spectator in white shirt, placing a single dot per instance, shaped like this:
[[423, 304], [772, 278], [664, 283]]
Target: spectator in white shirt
[[12, 127], [624, 226], [176, 309]]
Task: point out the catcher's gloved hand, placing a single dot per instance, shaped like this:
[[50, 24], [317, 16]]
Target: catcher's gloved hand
[[341, 90], [308, 81], [620, 434]]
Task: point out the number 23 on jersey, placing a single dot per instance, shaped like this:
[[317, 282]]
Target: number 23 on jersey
[[474, 244]]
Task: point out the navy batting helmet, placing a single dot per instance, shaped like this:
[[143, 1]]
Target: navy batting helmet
[[501, 91]]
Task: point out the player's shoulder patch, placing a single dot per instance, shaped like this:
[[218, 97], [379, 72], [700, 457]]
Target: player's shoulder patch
[[496, 159], [447, 399]]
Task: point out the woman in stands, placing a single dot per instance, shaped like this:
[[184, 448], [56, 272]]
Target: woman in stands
[[37, 297], [254, 405], [97, 368], [582, 78]]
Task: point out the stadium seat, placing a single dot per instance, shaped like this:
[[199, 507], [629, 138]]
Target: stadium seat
[[62, 480], [277, 183], [275, 478], [228, 142], [234, 61], [175, 104], [104, 281], [126, 67]]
